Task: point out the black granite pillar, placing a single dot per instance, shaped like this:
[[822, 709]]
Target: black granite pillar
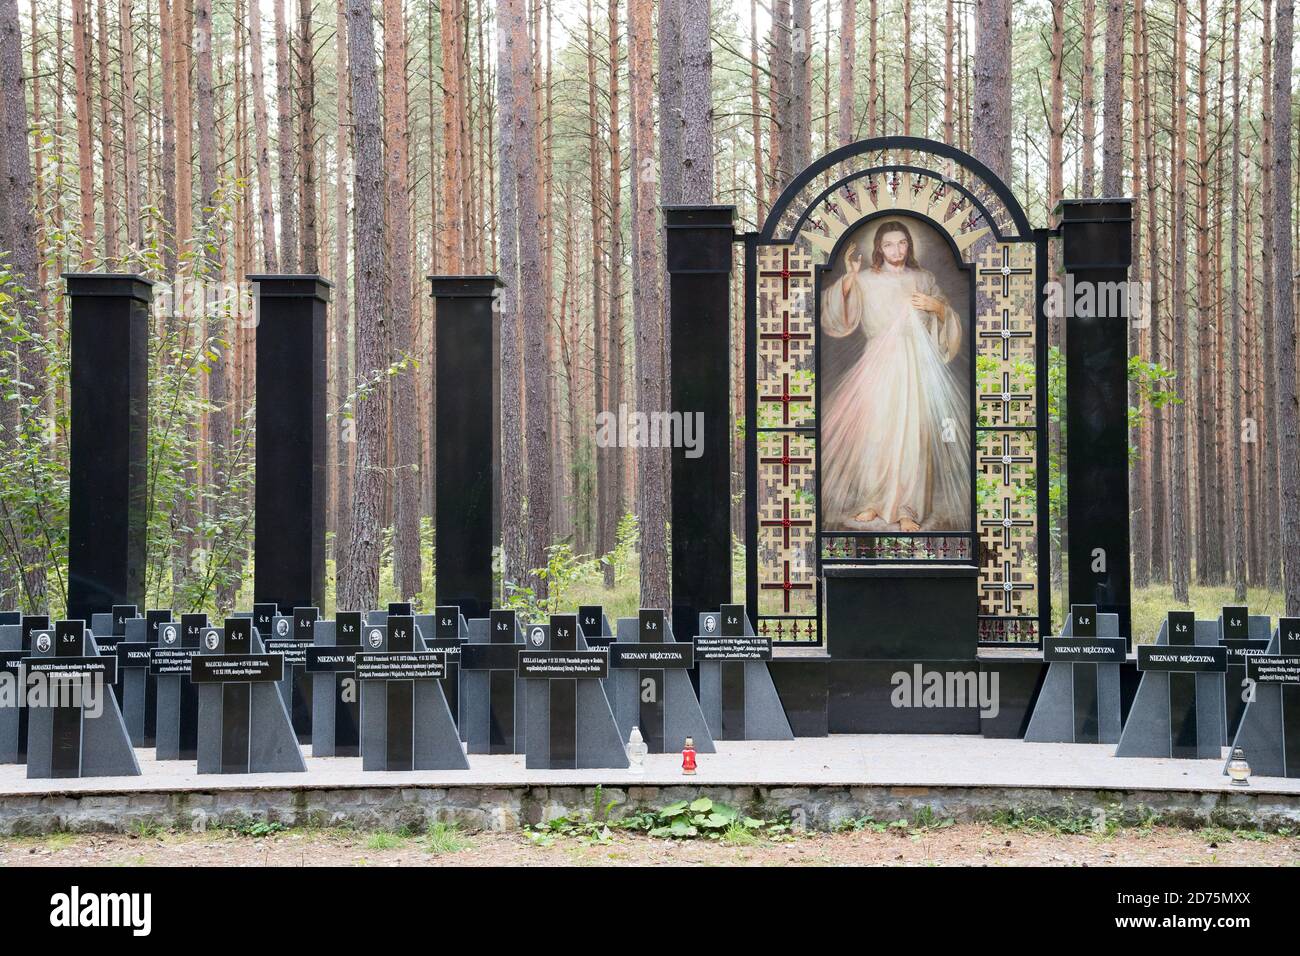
[[290, 497], [1096, 252], [698, 253], [466, 398], [109, 421]]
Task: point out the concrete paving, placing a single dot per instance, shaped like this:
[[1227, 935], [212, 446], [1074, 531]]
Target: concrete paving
[[836, 761]]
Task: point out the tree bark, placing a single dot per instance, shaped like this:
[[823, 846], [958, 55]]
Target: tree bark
[[697, 103], [1284, 330], [361, 579], [309, 255], [286, 144], [991, 122], [1112, 107], [406, 446], [1180, 545], [848, 58], [646, 305], [261, 136]]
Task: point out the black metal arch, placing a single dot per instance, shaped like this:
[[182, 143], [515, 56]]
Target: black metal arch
[[872, 170], [881, 143]]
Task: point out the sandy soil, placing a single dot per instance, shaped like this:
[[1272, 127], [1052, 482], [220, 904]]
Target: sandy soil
[[959, 845]]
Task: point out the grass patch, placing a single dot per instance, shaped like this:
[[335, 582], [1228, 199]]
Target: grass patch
[[383, 840], [443, 838]]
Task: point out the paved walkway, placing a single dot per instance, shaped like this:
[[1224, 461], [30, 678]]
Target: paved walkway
[[839, 760]]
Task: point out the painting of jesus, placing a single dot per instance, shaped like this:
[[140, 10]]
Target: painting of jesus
[[895, 429]]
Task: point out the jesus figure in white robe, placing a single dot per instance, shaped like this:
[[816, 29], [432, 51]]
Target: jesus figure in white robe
[[896, 429]]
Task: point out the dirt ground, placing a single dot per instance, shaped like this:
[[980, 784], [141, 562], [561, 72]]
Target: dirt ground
[[955, 845]]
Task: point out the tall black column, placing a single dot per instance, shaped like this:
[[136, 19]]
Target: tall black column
[[290, 498], [109, 421], [466, 452], [698, 253], [1096, 250]]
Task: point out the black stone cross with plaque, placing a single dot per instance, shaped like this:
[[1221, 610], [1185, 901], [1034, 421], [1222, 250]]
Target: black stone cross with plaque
[[651, 685], [178, 701], [290, 636], [405, 723], [27, 625], [139, 686], [77, 731], [1178, 710], [570, 724], [1270, 727], [448, 632], [336, 697], [493, 707], [1080, 698], [737, 695], [1236, 624], [243, 722]]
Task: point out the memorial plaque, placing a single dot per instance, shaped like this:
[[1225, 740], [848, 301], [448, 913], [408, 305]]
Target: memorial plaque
[[400, 609], [1084, 620], [1182, 660], [1084, 650]]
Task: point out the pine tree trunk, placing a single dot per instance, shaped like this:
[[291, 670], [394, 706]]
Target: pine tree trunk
[[697, 103], [848, 57], [343, 380], [779, 85], [1180, 545], [406, 534], [1268, 426], [266, 215], [615, 494], [801, 87], [361, 578], [1088, 97], [647, 312], [511, 37], [1284, 330], [309, 255], [1238, 467], [286, 144], [991, 122], [17, 166], [1112, 107], [130, 140], [604, 531], [107, 147], [85, 151]]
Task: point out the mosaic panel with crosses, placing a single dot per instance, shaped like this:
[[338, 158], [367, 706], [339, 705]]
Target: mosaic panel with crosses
[[786, 337], [1006, 344], [787, 524]]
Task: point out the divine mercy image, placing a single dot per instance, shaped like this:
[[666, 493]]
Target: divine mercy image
[[895, 431]]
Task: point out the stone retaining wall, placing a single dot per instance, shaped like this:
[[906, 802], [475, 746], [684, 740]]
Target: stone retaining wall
[[506, 808]]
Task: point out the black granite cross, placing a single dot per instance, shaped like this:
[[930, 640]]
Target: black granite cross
[[500, 658], [651, 655], [61, 659], [726, 643], [1283, 669], [447, 639], [551, 653], [392, 653], [1182, 661], [227, 658], [340, 659], [291, 636], [29, 623]]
